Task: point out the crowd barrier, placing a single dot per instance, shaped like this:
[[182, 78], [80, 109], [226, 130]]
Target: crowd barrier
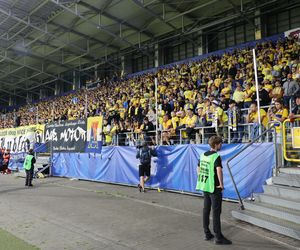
[[16, 161], [173, 169]]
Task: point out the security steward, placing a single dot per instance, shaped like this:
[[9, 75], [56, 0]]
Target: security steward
[[29, 167], [210, 182]]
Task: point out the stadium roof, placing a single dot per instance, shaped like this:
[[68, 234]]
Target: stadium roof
[[42, 38]]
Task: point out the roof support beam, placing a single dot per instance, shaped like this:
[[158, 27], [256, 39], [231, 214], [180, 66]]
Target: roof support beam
[[41, 84], [121, 22], [9, 92], [236, 10], [34, 69], [191, 10], [33, 55], [77, 48], [10, 71], [84, 35], [170, 5], [96, 25], [38, 7], [151, 12], [27, 78], [17, 33]]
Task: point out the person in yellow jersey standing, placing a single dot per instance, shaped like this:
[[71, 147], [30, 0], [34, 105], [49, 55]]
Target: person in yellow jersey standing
[[29, 167], [210, 182]]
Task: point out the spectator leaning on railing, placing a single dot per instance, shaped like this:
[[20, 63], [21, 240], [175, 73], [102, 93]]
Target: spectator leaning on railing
[[234, 119], [253, 118], [295, 113], [278, 113]]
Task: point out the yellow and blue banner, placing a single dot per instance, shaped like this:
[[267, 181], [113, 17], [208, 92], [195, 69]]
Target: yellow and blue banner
[[94, 134]]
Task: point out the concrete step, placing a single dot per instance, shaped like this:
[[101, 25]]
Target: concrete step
[[292, 180], [294, 170], [277, 201], [280, 226], [283, 192], [284, 213]]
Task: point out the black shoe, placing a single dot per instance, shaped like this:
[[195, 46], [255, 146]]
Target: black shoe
[[223, 241], [209, 237], [30, 185], [26, 185], [140, 187]]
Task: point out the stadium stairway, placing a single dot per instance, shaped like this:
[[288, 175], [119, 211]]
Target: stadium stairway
[[278, 208]]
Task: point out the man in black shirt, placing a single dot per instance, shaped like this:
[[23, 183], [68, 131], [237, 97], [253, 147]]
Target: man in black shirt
[[144, 153], [210, 163], [166, 106], [296, 110], [224, 103], [148, 130], [264, 98]]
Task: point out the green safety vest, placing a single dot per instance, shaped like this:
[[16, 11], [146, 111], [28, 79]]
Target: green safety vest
[[206, 177], [27, 163]]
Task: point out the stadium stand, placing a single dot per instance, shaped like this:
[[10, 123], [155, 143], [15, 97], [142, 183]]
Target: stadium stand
[[157, 73], [204, 85]]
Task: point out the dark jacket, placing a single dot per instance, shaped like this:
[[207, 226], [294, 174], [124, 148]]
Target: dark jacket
[[152, 152]]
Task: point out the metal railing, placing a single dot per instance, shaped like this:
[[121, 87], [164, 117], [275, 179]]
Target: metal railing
[[237, 154], [200, 135], [243, 134], [278, 144]]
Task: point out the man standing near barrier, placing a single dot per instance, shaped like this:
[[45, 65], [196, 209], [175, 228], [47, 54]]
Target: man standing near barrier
[[210, 182], [29, 167], [295, 113], [144, 153]]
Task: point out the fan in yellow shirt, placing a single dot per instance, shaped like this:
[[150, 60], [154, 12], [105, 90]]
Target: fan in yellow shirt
[[238, 95], [226, 90], [220, 119], [181, 125], [166, 126], [248, 94], [253, 115], [278, 113], [188, 94], [268, 85]]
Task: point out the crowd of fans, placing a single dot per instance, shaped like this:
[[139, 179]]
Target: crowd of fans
[[205, 93]]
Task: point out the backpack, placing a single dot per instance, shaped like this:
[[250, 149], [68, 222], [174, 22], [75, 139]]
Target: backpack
[[145, 156]]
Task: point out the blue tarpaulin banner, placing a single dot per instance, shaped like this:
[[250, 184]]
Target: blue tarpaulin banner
[[175, 168], [16, 161]]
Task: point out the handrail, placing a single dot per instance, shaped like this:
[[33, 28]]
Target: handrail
[[230, 159], [273, 123]]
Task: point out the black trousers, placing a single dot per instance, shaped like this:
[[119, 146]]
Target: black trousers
[[29, 177], [214, 201]]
